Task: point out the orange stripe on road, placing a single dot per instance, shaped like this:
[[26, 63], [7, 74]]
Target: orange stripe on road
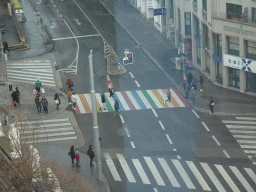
[[175, 104], [85, 104]]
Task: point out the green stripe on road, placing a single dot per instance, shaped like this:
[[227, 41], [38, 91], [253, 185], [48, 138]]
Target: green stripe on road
[[145, 93], [109, 107]]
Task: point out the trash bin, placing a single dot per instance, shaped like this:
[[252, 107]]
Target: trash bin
[[19, 15]]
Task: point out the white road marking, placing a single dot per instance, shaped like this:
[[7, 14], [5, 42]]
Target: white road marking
[[240, 122], [178, 157], [246, 118], [144, 99], [88, 99], [141, 171], [174, 149], [244, 136], [121, 117], [214, 138], [154, 112], [183, 174], [127, 132], [225, 175], [154, 98], [154, 171], [64, 38], [80, 105], [60, 15], [42, 121], [133, 146], [249, 151], [54, 5], [126, 168], [112, 167], [241, 178], [251, 174], [108, 77], [131, 74], [214, 179], [246, 141], [163, 95], [133, 100], [225, 152], [155, 190], [161, 124], [248, 146], [198, 176], [168, 172], [58, 10], [168, 138], [195, 113], [240, 127], [122, 101], [177, 99], [137, 83], [245, 132], [205, 126]]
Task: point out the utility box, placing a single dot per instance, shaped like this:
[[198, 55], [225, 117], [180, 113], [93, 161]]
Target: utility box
[[177, 62], [9, 9], [19, 15]]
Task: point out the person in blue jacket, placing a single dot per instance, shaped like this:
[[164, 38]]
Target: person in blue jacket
[[44, 102], [38, 85]]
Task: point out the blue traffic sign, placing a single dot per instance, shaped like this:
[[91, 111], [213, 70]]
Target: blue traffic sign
[[118, 63], [160, 11], [190, 64]]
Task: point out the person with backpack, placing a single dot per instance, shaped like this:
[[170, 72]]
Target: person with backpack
[[72, 153], [91, 154], [77, 156], [38, 85], [103, 100], [44, 102], [57, 100]]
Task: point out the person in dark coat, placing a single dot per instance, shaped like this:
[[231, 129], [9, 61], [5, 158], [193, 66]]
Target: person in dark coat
[[190, 78], [103, 100], [201, 83], [14, 97], [91, 154], [6, 47], [44, 102], [187, 89], [18, 95], [38, 104], [116, 107], [211, 104], [57, 100], [72, 153], [193, 96], [193, 84]]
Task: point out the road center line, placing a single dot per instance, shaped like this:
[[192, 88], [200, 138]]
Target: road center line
[[214, 138], [121, 117], [178, 157], [154, 112], [161, 124], [155, 190], [54, 5], [205, 126], [168, 138], [127, 132], [108, 79], [131, 74], [60, 15], [58, 10], [225, 152], [57, 39], [195, 113], [137, 83], [133, 146]]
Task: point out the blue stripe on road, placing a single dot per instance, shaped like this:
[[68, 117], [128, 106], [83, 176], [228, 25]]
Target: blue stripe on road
[[137, 97], [120, 105]]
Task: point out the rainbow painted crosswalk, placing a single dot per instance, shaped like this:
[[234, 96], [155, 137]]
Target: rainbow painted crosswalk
[[131, 100]]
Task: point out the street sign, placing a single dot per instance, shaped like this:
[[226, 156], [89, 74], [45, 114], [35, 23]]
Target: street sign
[[190, 64], [160, 11], [118, 65]]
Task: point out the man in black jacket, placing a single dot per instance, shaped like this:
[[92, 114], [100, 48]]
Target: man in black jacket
[[103, 100], [5, 46], [91, 154], [72, 153]]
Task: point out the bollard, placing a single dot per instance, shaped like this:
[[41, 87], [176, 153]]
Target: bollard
[[5, 57]]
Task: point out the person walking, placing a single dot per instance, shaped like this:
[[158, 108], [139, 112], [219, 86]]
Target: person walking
[[110, 88], [116, 107], [201, 83], [38, 85], [91, 154], [69, 95], [211, 105], [73, 98], [72, 153], [193, 84], [57, 100], [44, 102], [190, 78], [14, 98], [77, 156], [69, 82], [38, 104], [168, 94], [103, 100], [6, 47], [193, 96], [187, 89], [18, 95]]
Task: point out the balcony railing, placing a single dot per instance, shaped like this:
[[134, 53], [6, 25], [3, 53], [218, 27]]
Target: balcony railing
[[195, 6], [204, 14]]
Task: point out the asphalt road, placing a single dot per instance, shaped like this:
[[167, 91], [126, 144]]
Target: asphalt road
[[140, 143]]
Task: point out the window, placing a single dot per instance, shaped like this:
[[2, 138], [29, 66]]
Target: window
[[187, 17], [234, 12], [253, 15], [205, 5], [195, 1], [206, 36], [251, 50], [218, 45], [197, 25], [179, 20], [233, 46]]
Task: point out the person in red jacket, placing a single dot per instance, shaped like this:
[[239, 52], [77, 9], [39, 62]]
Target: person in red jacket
[[77, 156]]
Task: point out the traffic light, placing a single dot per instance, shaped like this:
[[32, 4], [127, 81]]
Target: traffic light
[[130, 58], [10, 87], [3, 32]]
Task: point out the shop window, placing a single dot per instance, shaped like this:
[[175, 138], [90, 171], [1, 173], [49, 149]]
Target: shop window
[[234, 12], [233, 46], [251, 50], [234, 77], [253, 15], [218, 72], [187, 17], [251, 81]]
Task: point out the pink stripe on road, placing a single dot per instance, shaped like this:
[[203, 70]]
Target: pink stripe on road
[[128, 101], [181, 98], [77, 109]]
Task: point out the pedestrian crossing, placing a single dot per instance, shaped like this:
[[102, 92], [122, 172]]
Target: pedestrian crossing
[[29, 71], [176, 173], [243, 130], [46, 131], [131, 100]]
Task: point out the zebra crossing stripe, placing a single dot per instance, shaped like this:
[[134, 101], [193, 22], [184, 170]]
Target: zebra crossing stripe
[[108, 105], [245, 141], [89, 101], [128, 101], [241, 178], [240, 122], [141, 171], [85, 104], [183, 174], [80, 104], [154, 171], [211, 175], [168, 172], [162, 94], [181, 98], [120, 104], [235, 131], [150, 100], [251, 174], [122, 100], [126, 168], [175, 104], [133, 100], [225, 175], [160, 99], [154, 98], [177, 99], [137, 97], [240, 127], [246, 118], [112, 167], [198, 176], [144, 99], [111, 100]]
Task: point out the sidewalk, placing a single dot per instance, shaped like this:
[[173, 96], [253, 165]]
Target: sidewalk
[[163, 53]]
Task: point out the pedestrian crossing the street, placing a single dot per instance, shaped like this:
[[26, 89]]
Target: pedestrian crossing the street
[[29, 71], [176, 173], [47, 130], [131, 100], [243, 130]]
